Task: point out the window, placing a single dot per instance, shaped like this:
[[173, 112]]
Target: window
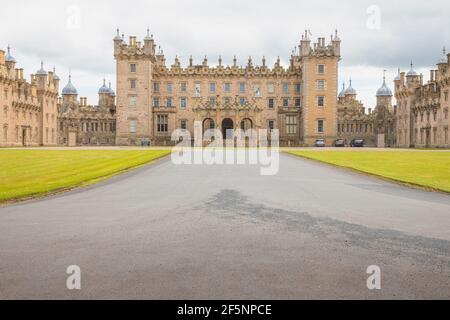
[[271, 103], [291, 124], [270, 88], [212, 87], [320, 85], [297, 102], [183, 124], [155, 102], [321, 69], [320, 101], [212, 101], [169, 102], [169, 87], [285, 87], [297, 87], [320, 126], [155, 87], [198, 89], [227, 87], [133, 67], [183, 103], [271, 125], [242, 101], [183, 86], [227, 100], [285, 102], [133, 84], [133, 126], [133, 102], [162, 123], [242, 87]]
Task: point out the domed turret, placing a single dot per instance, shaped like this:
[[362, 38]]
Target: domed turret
[[443, 59], [411, 72], [384, 91], [55, 76], [69, 89], [9, 57], [350, 90], [104, 89], [41, 71], [342, 93], [111, 91]]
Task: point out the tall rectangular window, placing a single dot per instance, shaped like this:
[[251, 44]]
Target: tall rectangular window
[[133, 84], [133, 102], [169, 87], [227, 87], [285, 102], [271, 103], [183, 124], [155, 86], [291, 124], [183, 103], [226, 100], [133, 67], [320, 85], [242, 101], [271, 125], [162, 123], [320, 101], [285, 87], [242, 87], [183, 86], [320, 128], [297, 88], [270, 88], [321, 69], [212, 87], [169, 102], [298, 102], [155, 102], [133, 126]]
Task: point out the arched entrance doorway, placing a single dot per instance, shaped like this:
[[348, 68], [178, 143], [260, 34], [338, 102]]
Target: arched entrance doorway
[[246, 124], [208, 123], [227, 124]]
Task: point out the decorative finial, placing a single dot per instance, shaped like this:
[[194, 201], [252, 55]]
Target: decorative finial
[[42, 64], [148, 32], [9, 49], [104, 81], [118, 32], [444, 50], [123, 36], [110, 84]]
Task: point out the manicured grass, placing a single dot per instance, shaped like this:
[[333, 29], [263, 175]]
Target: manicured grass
[[25, 173], [429, 169]]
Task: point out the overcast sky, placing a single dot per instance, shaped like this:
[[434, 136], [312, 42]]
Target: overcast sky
[[375, 35]]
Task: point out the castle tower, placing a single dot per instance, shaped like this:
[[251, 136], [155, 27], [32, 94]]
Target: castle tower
[[134, 78], [103, 95], [10, 64], [319, 82], [69, 93], [384, 96]]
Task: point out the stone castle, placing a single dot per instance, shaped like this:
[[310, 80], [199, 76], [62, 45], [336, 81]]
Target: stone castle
[[153, 99]]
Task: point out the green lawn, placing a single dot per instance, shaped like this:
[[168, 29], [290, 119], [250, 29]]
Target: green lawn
[[25, 173], [429, 169]]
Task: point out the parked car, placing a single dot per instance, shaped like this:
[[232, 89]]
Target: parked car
[[339, 143], [357, 143], [319, 143]]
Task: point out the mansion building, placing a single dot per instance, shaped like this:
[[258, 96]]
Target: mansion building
[[154, 99], [422, 108], [28, 110]]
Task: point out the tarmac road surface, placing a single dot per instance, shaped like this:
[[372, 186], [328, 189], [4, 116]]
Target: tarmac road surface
[[169, 231]]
